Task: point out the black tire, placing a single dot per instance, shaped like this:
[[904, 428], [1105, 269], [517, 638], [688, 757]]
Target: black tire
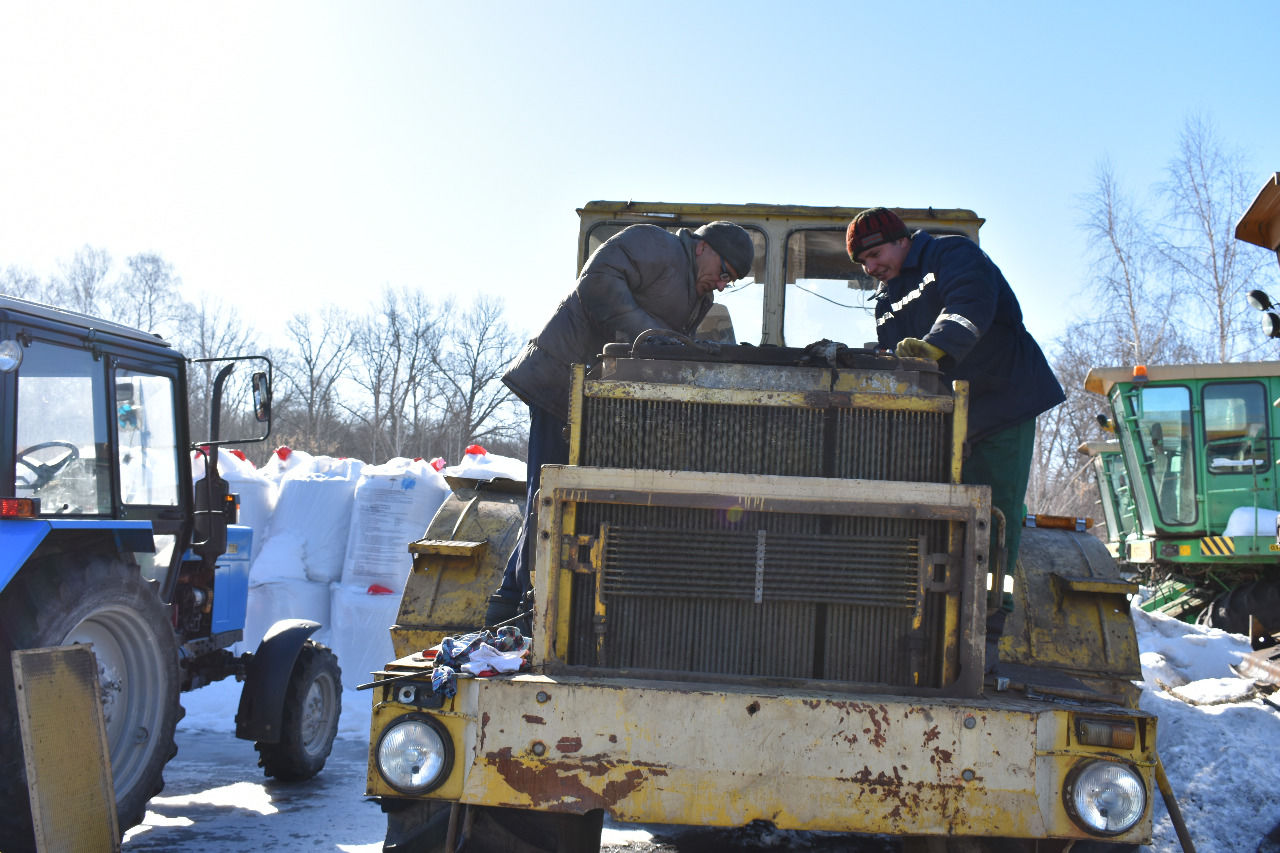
[[312, 705], [108, 604], [1231, 610], [502, 830]]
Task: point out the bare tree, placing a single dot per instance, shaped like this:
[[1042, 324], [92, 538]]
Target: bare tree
[[83, 280], [476, 405], [215, 330], [1207, 190], [312, 370], [146, 295], [1136, 322], [23, 284], [392, 364]]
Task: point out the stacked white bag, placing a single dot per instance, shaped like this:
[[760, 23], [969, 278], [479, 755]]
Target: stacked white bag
[[305, 542], [393, 506]]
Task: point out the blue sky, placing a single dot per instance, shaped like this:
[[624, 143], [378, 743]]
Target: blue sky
[[290, 155]]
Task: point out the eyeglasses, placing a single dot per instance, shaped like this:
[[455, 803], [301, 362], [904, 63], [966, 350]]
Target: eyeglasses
[[726, 274]]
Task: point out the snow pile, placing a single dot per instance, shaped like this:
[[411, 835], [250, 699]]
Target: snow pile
[[1216, 742]]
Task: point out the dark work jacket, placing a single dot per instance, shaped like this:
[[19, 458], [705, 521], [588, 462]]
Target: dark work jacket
[[640, 278], [950, 294]]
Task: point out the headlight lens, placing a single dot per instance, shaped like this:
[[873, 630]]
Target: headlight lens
[[415, 754], [1106, 797], [10, 356]]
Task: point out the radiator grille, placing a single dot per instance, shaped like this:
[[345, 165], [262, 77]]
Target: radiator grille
[[761, 594], [861, 443]]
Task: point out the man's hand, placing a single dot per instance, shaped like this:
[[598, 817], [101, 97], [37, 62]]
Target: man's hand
[[916, 348]]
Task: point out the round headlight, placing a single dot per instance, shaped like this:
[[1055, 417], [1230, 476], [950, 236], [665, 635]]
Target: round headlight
[[1105, 797], [415, 754], [10, 356]]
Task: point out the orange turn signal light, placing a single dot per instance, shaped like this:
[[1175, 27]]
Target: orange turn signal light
[[1116, 734], [19, 507]]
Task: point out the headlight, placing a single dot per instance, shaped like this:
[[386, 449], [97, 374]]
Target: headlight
[[415, 754], [10, 356], [1105, 797]]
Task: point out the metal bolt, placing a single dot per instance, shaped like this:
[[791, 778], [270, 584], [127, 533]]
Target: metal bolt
[[406, 694], [539, 748], [970, 722], [543, 696], [967, 775]]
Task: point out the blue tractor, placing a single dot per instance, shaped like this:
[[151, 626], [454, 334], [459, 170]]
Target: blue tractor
[[105, 540]]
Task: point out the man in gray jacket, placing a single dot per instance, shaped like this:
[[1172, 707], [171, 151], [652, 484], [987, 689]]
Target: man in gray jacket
[[644, 277]]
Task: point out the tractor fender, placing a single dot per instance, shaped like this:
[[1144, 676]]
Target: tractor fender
[[267, 679]]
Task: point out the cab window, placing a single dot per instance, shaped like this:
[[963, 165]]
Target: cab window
[[61, 455], [1164, 433], [147, 441], [828, 295], [1235, 428], [744, 299]]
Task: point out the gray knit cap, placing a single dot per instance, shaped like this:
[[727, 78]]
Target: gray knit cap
[[732, 242]]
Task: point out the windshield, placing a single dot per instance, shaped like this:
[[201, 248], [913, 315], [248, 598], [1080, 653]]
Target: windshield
[[62, 432], [828, 295]]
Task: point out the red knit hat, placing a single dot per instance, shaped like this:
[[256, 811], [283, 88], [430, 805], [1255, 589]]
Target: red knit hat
[[872, 227]]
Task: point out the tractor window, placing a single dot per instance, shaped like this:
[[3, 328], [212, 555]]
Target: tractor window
[[828, 295], [61, 453], [1235, 428], [1164, 433], [147, 439], [743, 299], [1118, 492]]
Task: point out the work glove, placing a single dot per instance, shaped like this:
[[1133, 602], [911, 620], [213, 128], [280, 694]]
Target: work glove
[[916, 348], [670, 338]]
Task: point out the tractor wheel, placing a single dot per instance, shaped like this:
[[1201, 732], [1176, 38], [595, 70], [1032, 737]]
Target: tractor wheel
[[1231, 610], [312, 704], [489, 829], [110, 605]]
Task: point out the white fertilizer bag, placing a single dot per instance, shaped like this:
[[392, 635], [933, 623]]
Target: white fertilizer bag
[[286, 599], [479, 464], [394, 504], [362, 631], [317, 509]]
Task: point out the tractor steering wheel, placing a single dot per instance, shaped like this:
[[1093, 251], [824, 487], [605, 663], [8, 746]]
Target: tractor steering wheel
[[44, 472]]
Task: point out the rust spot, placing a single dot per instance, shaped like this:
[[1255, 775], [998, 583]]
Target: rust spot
[[931, 735], [753, 708], [569, 744], [940, 756], [549, 784], [811, 704], [613, 738], [533, 719]]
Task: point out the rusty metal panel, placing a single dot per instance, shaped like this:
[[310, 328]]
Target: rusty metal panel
[[913, 766], [64, 743]]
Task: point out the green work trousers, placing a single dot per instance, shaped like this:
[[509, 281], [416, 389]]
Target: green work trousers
[[1003, 462]]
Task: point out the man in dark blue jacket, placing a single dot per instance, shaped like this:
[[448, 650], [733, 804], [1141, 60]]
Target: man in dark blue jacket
[[943, 299]]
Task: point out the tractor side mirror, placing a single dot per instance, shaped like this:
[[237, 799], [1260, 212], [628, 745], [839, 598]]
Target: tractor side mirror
[[261, 397]]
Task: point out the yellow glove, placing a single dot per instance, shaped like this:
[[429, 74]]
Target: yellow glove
[[916, 348]]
